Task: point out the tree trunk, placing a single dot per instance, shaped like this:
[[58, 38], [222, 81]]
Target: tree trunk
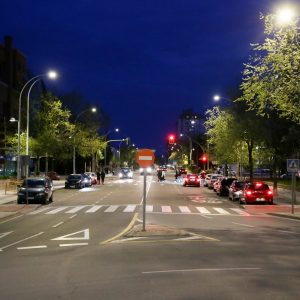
[[250, 158]]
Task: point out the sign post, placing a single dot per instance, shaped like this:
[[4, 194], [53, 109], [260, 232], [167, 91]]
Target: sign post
[[293, 167], [145, 158]]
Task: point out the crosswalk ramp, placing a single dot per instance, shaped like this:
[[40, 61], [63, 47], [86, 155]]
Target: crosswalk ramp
[[131, 208]]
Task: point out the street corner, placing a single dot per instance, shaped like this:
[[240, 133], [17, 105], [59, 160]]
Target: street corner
[[295, 216]]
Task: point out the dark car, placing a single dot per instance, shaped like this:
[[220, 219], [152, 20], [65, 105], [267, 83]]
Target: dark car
[[87, 180], [36, 190], [191, 180], [223, 187], [125, 173], [75, 181], [256, 192], [182, 171]]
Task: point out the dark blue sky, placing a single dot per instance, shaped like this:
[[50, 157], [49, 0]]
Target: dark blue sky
[[143, 61]]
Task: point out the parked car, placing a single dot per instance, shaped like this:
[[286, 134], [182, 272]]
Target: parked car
[[125, 173], [217, 183], [93, 176], [87, 180], [213, 178], [149, 171], [191, 180], [256, 192], [236, 189], [182, 171], [75, 180], [36, 190], [207, 179], [53, 175], [223, 188]]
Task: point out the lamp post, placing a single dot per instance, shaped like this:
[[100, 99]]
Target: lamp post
[[190, 146], [107, 133], [32, 81], [93, 110]]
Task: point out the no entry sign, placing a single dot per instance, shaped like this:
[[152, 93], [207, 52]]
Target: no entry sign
[[145, 157]]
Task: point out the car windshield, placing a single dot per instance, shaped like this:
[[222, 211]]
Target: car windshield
[[33, 183], [259, 187], [72, 177]]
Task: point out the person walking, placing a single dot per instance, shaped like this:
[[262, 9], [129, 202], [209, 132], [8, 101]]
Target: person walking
[[98, 177], [102, 175]]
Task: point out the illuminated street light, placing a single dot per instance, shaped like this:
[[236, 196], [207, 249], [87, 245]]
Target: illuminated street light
[[106, 134], [32, 81], [285, 15]]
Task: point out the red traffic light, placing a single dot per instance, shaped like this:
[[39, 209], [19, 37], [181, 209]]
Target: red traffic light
[[171, 139], [204, 158]]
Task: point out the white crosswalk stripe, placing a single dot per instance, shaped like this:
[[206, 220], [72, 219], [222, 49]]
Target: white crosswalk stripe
[[130, 208]]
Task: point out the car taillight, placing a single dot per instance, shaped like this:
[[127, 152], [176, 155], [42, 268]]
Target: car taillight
[[270, 193], [198, 179], [248, 193]]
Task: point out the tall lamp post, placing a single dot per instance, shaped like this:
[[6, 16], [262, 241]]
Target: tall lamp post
[[93, 110], [190, 146], [32, 81], [106, 134]]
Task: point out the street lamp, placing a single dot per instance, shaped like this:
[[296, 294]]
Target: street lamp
[[285, 15], [107, 133], [93, 110], [218, 98], [32, 81]]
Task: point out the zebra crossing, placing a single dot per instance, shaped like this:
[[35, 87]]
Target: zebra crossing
[[131, 208]]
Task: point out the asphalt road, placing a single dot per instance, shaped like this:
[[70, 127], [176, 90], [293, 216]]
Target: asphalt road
[[197, 246]]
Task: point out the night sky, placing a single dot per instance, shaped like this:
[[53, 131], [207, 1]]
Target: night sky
[[143, 61]]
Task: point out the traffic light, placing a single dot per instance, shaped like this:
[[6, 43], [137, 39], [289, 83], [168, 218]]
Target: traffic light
[[171, 139], [204, 158]]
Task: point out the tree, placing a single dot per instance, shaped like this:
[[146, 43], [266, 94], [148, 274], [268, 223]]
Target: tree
[[272, 75]]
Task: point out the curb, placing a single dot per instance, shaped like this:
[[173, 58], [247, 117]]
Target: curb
[[289, 216]]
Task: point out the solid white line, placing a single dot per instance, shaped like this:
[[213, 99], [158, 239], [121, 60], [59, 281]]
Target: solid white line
[[93, 209], [129, 208], [30, 237], [243, 225], [184, 209], [112, 208], [199, 270], [76, 244], [75, 209], [56, 225], [32, 247], [221, 211]]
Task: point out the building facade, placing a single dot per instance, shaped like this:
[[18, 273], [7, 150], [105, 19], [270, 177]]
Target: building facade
[[190, 123]]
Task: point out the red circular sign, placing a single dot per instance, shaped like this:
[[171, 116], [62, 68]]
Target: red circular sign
[[145, 157]]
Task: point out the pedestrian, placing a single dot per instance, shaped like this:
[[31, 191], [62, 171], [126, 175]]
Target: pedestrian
[[176, 175], [159, 173], [102, 175], [98, 177]]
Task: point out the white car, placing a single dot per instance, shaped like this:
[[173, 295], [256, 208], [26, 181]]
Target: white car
[[213, 178], [93, 176]]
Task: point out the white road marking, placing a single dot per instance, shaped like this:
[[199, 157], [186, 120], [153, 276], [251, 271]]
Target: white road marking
[[166, 209], [75, 209], [58, 224], [112, 208], [240, 211], [93, 209], [129, 208], [5, 234], [71, 245], [149, 208], [32, 247], [221, 211], [71, 217], [200, 270], [70, 236], [20, 241], [39, 210], [203, 210], [54, 211], [184, 209], [243, 225]]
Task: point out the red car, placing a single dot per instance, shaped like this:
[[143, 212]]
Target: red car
[[256, 192], [191, 179]]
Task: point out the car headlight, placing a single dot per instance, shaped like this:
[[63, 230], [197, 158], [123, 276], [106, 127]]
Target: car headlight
[[141, 170], [149, 169], [130, 174], [85, 180], [120, 175]]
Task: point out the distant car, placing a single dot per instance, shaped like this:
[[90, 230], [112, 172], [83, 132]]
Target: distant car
[[223, 188], [93, 176], [163, 168], [256, 192], [207, 179], [182, 171], [36, 190], [75, 181], [125, 173], [53, 175], [236, 189], [191, 180], [213, 178]]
